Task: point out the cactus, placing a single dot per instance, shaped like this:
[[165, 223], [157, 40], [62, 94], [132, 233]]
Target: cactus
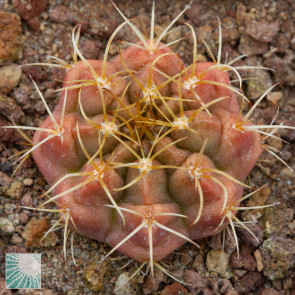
[[145, 153]]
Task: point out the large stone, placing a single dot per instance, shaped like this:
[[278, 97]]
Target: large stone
[[10, 37], [34, 234], [94, 275], [262, 31], [278, 257]]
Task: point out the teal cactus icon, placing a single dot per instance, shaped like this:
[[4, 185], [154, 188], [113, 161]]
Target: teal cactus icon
[[23, 271]]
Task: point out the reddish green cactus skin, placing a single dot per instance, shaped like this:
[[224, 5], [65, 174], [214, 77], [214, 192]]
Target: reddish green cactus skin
[[160, 190]]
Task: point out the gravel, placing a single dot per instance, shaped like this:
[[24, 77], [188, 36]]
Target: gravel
[[264, 30]]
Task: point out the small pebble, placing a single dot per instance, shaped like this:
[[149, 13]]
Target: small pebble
[[275, 142], [6, 226], [49, 93], [4, 179], [260, 197], [28, 181], [256, 87], [151, 284], [174, 289], [15, 190], [26, 200], [123, 286], [274, 97], [255, 238], [21, 95], [257, 255], [16, 240], [40, 108], [286, 155], [287, 172], [90, 49], [186, 259], [9, 77], [193, 13], [218, 261], [23, 218], [199, 264], [194, 280], [248, 282], [59, 14], [244, 260]]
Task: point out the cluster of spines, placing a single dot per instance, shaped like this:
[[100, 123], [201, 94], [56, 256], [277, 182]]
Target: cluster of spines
[[143, 124]]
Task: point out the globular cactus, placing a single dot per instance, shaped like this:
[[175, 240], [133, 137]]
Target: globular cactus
[[145, 153]]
